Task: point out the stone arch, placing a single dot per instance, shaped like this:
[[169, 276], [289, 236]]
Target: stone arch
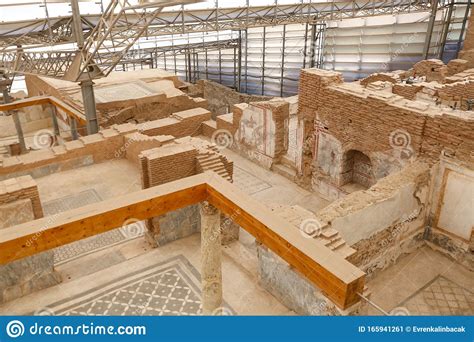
[[357, 168]]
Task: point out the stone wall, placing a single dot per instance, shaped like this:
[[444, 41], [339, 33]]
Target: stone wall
[[339, 117], [20, 203], [105, 145], [384, 222], [183, 158], [174, 225], [383, 76], [152, 94], [407, 91], [220, 98], [290, 287], [450, 219], [456, 94], [258, 131], [180, 124], [17, 189], [432, 69]]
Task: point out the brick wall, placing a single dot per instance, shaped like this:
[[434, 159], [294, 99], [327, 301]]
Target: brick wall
[[168, 163], [179, 124], [21, 188], [407, 91], [364, 120], [385, 77], [105, 145], [456, 94], [432, 69], [135, 143]]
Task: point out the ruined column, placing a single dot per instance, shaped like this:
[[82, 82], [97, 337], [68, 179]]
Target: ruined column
[[73, 123], [211, 272]]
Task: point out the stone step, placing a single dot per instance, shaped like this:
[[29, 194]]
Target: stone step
[[330, 243], [329, 233], [287, 162], [345, 251], [229, 118], [338, 244], [284, 171], [210, 163]]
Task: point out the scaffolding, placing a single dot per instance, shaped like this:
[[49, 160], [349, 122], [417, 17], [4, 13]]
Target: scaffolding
[[253, 49]]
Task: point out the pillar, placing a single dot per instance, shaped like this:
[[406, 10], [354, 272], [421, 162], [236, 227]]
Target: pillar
[[88, 98], [211, 254], [73, 124], [16, 121], [54, 118]]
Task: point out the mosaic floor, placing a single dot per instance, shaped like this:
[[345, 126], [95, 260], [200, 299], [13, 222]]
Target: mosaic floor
[[71, 251], [248, 182], [168, 288], [440, 296]]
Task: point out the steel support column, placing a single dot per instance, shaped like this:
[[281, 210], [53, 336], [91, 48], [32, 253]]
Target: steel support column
[[463, 28], [73, 124], [446, 25], [16, 121], [263, 59], [429, 33], [88, 98], [54, 118], [283, 61]]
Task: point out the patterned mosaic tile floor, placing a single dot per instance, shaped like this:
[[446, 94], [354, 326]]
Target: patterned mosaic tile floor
[[248, 182], [440, 296], [71, 251], [168, 288]]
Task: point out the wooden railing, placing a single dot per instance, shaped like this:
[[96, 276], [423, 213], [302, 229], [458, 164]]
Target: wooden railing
[[42, 100], [338, 279]]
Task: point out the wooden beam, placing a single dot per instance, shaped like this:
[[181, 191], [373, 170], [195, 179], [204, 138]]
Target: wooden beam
[[336, 277], [50, 232], [42, 100]]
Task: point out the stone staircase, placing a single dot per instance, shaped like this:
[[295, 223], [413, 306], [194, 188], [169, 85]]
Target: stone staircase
[[4, 151], [211, 160], [285, 168], [327, 235]]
